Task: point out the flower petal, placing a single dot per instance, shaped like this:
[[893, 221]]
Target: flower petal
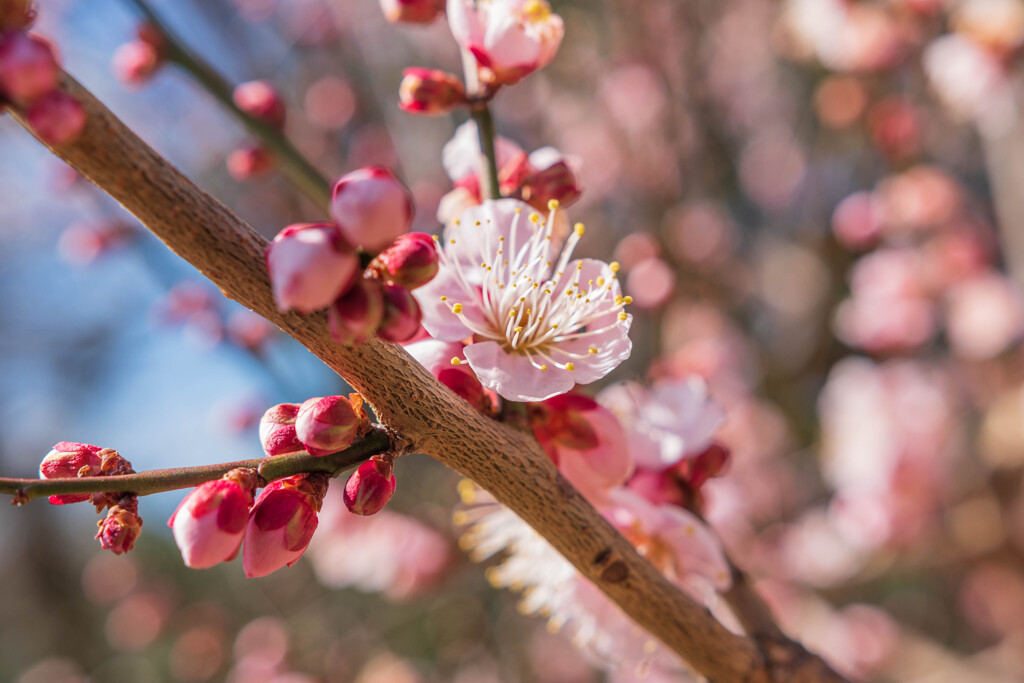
[[513, 376]]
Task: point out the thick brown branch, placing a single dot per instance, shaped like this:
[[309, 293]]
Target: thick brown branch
[[407, 399]]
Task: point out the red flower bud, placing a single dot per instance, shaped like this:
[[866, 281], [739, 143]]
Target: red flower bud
[[121, 527], [412, 11], [371, 486], [260, 100], [28, 68], [57, 118], [371, 207], [68, 460], [248, 162], [402, 315], [310, 266], [430, 91], [357, 314], [327, 425], [282, 523], [209, 523], [277, 430], [15, 14], [411, 261], [135, 62]]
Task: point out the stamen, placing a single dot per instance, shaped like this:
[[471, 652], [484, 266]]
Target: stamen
[[456, 361]]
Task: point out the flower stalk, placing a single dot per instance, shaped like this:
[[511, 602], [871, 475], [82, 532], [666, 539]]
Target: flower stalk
[[171, 479], [480, 112], [299, 171]]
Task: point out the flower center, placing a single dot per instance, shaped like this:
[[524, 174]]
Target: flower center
[[530, 305], [536, 11]]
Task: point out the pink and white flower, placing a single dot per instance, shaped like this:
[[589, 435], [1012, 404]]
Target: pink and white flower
[[672, 420], [509, 38], [541, 322]]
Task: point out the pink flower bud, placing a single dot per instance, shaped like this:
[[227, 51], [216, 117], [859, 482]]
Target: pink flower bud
[[28, 68], [411, 261], [310, 266], [121, 527], [371, 486], [402, 315], [135, 62], [282, 523], [328, 425], [557, 182], [15, 14], [356, 315], [412, 11], [277, 430], [430, 91], [209, 523], [57, 118], [371, 207], [260, 100], [248, 162], [68, 460]]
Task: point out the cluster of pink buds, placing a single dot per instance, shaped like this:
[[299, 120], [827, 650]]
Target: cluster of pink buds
[[319, 426], [260, 100], [69, 460], [317, 265], [138, 60], [29, 74]]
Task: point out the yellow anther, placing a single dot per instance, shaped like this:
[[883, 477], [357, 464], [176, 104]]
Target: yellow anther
[[512, 313], [579, 266], [456, 221], [444, 298], [476, 223], [519, 328], [460, 518], [570, 366], [451, 241], [623, 316], [455, 361], [457, 308], [592, 350], [543, 367], [534, 217], [467, 491], [600, 282], [518, 210], [434, 237], [552, 204], [579, 228], [536, 10], [554, 326], [618, 300], [614, 266], [502, 239], [627, 300]]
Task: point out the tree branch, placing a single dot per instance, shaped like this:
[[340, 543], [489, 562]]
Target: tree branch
[[426, 415], [172, 479]]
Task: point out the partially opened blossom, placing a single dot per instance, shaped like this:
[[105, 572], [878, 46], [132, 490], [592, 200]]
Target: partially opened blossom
[[209, 523], [122, 526], [585, 441], [282, 523], [68, 460], [310, 266], [277, 430], [541, 322], [509, 38], [671, 420]]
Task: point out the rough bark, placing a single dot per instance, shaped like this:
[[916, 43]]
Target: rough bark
[[422, 412]]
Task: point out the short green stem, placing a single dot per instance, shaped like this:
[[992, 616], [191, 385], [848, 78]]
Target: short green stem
[[157, 481], [290, 161], [489, 184]]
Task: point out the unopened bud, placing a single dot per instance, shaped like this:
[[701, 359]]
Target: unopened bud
[[121, 527], [371, 207], [282, 523], [210, 522], [412, 11], [68, 460], [356, 315], [248, 162], [327, 425], [371, 486], [411, 261], [430, 91], [402, 315], [310, 266], [15, 14], [135, 62], [57, 118], [277, 430], [28, 68], [557, 182], [260, 100]]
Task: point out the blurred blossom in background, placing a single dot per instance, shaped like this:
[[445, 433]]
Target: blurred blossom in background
[[816, 207]]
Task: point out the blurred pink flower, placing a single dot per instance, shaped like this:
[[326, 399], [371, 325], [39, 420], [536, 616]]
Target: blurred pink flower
[[541, 325], [984, 316]]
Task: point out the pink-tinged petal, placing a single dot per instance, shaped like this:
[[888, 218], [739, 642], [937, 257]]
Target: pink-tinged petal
[[371, 207], [435, 355], [309, 266], [510, 48], [513, 376], [464, 21], [696, 547], [461, 155], [438, 318], [479, 232]]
